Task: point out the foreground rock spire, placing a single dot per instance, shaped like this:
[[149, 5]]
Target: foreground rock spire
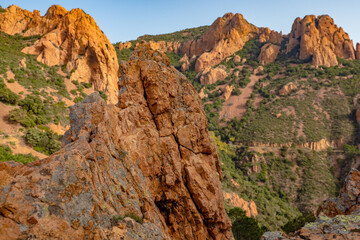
[[144, 169]]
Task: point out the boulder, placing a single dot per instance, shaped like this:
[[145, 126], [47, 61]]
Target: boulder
[[287, 88], [227, 92], [202, 93], [269, 53], [212, 75], [185, 63], [237, 59]]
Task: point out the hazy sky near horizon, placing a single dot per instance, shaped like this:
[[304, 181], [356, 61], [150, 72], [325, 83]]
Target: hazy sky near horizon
[[126, 20]]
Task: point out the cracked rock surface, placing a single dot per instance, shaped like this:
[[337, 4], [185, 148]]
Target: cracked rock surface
[[145, 168]]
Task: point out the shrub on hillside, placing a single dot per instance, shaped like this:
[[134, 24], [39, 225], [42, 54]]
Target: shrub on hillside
[[243, 227], [6, 154], [46, 142], [6, 95]]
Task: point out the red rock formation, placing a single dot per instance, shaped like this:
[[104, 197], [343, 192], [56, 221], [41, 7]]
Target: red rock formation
[[70, 38], [287, 88], [357, 53], [235, 201], [227, 35], [150, 156], [269, 53], [271, 36], [212, 75], [227, 90], [321, 39]]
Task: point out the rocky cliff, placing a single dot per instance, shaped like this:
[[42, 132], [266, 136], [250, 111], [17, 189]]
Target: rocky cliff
[[70, 38], [143, 169], [320, 39]]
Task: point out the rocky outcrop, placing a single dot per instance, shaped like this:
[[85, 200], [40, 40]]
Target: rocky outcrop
[[236, 201], [185, 63], [320, 39], [227, 90], [357, 53], [71, 38], [348, 201], [338, 218], [164, 46], [125, 45], [287, 88], [269, 53], [212, 75], [271, 36], [145, 168], [202, 93], [227, 35]]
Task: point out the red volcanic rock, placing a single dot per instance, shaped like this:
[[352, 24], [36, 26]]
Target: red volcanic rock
[[348, 201], [269, 53], [149, 157], [321, 39], [70, 38], [227, 35]]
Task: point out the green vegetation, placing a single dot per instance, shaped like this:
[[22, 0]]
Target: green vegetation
[[124, 54], [298, 223], [36, 75], [35, 111], [2, 9], [292, 181], [6, 154], [116, 219], [243, 227], [6, 95], [43, 140], [179, 36]]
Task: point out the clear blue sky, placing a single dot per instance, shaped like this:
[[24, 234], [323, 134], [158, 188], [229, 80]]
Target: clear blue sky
[[126, 20]]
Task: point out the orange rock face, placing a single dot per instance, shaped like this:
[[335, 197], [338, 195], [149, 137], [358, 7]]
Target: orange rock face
[[227, 92], [267, 35], [287, 88], [212, 75], [70, 38], [357, 54], [320, 39], [225, 36], [150, 156], [269, 53], [236, 201]]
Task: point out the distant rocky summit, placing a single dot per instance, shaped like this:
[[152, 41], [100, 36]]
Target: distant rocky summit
[[319, 38], [70, 38]]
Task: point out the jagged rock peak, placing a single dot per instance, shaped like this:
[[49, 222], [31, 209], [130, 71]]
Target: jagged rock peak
[[150, 158], [225, 36], [320, 39], [71, 38]]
